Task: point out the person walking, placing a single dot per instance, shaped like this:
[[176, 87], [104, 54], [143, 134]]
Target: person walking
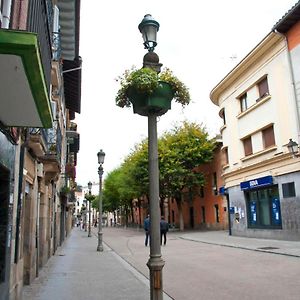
[[164, 228], [147, 229]]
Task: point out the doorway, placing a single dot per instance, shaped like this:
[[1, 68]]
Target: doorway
[[4, 250], [192, 217]]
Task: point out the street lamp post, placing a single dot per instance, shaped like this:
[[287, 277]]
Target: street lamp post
[[149, 27], [101, 156], [85, 215], [90, 193]]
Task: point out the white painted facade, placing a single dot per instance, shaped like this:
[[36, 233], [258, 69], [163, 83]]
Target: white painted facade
[[277, 108]]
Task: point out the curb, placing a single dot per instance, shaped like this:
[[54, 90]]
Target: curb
[[241, 247]]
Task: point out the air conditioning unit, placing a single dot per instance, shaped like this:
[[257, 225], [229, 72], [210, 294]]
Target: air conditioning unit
[[40, 170]]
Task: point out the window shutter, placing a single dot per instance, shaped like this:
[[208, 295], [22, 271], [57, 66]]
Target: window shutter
[[248, 146], [263, 88], [268, 137]]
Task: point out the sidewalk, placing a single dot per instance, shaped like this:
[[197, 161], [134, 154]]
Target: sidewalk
[[289, 248], [78, 271]]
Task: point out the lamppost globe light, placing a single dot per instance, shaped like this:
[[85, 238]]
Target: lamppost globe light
[[101, 156], [90, 186], [149, 28]]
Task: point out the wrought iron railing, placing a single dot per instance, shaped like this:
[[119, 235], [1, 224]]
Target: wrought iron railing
[[53, 140], [56, 46], [40, 21]]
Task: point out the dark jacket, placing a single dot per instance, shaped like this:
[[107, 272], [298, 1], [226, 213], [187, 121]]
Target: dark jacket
[[147, 224], [164, 226]]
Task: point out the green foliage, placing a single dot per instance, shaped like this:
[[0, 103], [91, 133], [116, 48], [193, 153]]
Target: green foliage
[[181, 151], [65, 190], [145, 81]]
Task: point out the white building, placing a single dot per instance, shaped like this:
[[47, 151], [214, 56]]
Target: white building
[[257, 102]]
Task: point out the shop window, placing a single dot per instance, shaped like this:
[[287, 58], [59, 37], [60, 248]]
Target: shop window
[[268, 137], [263, 88], [288, 190], [247, 146], [243, 102], [263, 207]]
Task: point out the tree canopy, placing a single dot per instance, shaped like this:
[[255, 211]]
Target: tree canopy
[[181, 150]]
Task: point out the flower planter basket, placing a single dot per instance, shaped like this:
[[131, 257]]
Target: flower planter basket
[[158, 103]]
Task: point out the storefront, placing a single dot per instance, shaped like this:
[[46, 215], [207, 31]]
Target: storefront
[[7, 157], [262, 203], [266, 207]]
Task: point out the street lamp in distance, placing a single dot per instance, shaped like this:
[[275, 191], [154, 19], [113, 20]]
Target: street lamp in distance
[[89, 200], [101, 156]]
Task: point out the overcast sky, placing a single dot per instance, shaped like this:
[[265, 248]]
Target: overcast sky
[[200, 41]]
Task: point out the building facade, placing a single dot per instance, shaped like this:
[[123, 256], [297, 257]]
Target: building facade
[[204, 207], [258, 104], [39, 40]]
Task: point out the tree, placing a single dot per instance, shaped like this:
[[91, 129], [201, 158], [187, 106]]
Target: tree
[[181, 150]]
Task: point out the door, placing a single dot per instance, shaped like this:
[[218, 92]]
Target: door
[[192, 217], [4, 233]]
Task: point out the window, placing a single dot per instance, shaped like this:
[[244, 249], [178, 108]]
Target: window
[[215, 184], [217, 213], [203, 214], [201, 192], [243, 102], [268, 137], [225, 156], [222, 115], [263, 207], [288, 190], [263, 88], [247, 146]]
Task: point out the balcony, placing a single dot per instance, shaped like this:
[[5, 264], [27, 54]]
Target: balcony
[[52, 158], [20, 62]]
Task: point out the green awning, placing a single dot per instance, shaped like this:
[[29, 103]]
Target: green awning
[[24, 96]]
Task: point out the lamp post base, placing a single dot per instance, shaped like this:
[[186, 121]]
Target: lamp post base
[[100, 246], [155, 265]]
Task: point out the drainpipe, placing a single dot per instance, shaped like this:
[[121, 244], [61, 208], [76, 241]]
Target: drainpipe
[[293, 82], [6, 14]]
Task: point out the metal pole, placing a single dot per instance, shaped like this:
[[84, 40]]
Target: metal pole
[[89, 234], [155, 262], [100, 246], [228, 212], [85, 215]]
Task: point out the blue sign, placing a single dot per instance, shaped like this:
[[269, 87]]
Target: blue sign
[[276, 218], [253, 214], [222, 190], [256, 183], [231, 209]]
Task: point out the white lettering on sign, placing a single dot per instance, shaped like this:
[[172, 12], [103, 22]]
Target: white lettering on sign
[[253, 182]]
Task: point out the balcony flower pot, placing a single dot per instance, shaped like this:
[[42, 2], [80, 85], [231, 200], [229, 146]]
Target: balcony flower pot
[[149, 92]]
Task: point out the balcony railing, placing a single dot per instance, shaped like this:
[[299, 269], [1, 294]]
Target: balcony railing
[[40, 22], [53, 139]]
